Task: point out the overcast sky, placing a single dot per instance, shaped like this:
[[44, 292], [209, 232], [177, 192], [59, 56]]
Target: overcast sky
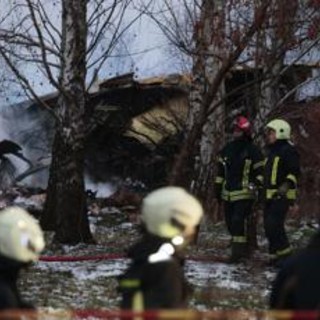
[[146, 42]]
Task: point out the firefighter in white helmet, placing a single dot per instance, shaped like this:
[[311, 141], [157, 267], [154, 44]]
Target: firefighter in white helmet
[[21, 241], [282, 170], [155, 278]]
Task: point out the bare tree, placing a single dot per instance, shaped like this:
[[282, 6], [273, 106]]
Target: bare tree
[[220, 36], [79, 38], [215, 42], [284, 41]]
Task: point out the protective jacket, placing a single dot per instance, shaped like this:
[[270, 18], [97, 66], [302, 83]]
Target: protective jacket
[[9, 294], [149, 284], [281, 167], [240, 164], [280, 181], [297, 285]]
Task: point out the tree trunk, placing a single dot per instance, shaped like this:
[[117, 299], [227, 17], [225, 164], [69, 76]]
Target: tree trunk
[[194, 167], [213, 128], [206, 119], [211, 140], [72, 224], [48, 219], [269, 94], [66, 202], [276, 38]]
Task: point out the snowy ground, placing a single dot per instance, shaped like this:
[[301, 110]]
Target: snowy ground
[[92, 284]]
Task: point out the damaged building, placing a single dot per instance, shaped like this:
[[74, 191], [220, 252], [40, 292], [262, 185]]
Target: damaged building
[[131, 119], [138, 127]]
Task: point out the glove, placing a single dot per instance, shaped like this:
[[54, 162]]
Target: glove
[[258, 191], [282, 190]]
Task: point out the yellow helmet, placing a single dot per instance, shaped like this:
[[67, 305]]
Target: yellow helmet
[[171, 211], [21, 237], [281, 127]]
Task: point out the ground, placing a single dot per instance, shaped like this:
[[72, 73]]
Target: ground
[[92, 284]]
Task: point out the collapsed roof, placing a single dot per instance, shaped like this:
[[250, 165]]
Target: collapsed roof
[[133, 118]]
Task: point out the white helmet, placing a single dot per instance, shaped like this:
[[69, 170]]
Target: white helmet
[[281, 127], [21, 238], [171, 211]]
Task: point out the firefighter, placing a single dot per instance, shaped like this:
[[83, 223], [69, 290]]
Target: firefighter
[[155, 278], [280, 181], [21, 241], [297, 284], [239, 174]]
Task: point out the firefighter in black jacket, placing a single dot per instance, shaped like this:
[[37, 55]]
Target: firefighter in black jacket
[[21, 242], [297, 285], [155, 278], [240, 172], [280, 181]]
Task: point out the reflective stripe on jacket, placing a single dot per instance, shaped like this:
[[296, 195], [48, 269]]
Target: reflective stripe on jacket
[[240, 164], [282, 166], [148, 284]]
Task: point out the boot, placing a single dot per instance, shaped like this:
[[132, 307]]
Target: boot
[[239, 252]]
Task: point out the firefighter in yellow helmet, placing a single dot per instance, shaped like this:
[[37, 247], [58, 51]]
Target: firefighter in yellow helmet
[[282, 170], [21, 241], [155, 278]]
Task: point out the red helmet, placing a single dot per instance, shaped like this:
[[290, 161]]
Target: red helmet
[[242, 124]]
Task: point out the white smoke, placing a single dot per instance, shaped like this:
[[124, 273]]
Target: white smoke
[[102, 189]]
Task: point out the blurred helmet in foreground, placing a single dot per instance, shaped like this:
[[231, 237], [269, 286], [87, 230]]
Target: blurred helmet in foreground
[[21, 237], [171, 211]]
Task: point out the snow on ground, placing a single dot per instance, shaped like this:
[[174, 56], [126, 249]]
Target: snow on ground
[[197, 272], [93, 284], [221, 274], [83, 271]]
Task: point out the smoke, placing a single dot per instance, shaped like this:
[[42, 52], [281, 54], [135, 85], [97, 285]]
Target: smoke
[[3, 128], [32, 129], [102, 189]]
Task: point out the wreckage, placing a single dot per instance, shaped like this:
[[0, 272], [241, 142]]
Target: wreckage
[[136, 125], [7, 168], [128, 119]]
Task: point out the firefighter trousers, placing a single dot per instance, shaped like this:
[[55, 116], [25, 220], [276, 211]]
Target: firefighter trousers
[[275, 213], [236, 213]]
